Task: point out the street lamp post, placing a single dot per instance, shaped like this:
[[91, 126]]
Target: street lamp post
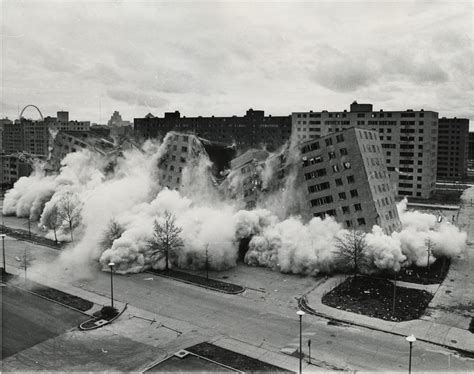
[[111, 265], [3, 253], [301, 314], [410, 339]]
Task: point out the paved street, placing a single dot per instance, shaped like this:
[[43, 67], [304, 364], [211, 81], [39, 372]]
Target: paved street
[[266, 320]]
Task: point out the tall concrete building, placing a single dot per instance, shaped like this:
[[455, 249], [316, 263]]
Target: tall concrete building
[[66, 142], [253, 130], [470, 155], [27, 136], [409, 141], [185, 149], [63, 117], [346, 177], [453, 147], [343, 175]]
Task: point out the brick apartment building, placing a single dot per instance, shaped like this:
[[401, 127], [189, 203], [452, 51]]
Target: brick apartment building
[[253, 130], [409, 141], [453, 147]]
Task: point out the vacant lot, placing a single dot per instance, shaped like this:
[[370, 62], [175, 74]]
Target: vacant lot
[[28, 320]]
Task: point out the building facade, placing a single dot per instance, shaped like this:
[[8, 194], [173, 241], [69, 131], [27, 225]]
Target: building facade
[[453, 147], [66, 142], [346, 177], [470, 155], [254, 130], [27, 136], [185, 149], [409, 141]]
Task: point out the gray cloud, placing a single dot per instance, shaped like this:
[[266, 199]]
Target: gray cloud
[[142, 99], [224, 57]]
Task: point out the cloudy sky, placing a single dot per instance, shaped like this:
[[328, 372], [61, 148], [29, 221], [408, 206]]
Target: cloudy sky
[[221, 58]]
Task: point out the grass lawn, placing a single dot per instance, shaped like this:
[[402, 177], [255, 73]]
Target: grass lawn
[[28, 320], [373, 297]]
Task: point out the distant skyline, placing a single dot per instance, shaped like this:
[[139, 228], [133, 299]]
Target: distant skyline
[[222, 58]]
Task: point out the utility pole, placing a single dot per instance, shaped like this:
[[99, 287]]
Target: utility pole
[[394, 294], [429, 244], [207, 262]]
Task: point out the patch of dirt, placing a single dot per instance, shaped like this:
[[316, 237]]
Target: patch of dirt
[[373, 297], [233, 359]]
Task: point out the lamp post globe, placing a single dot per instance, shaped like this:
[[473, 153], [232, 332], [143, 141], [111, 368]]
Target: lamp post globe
[[410, 339]]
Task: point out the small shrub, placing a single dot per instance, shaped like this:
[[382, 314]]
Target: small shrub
[[108, 312], [471, 325]]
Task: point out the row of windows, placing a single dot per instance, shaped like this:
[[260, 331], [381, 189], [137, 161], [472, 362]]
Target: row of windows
[[319, 187], [333, 213], [385, 201], [322, 201], [312, 160], [329, 199], [350, 180]]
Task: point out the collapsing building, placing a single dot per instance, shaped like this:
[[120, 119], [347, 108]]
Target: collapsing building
[[346, 178], [184, 150], [66, 142], [343, 175]]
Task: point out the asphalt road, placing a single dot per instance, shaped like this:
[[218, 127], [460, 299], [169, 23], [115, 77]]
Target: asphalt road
[[28, 320], [264, 319]]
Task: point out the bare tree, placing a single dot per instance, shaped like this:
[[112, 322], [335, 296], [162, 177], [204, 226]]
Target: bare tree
[[351, 250], [25, 260], [69, 211], [113, 231], [166, 240], [429, 248], [51, 220]]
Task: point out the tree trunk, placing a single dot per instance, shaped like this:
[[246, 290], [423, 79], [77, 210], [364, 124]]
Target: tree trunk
[[55, 236], [70, 228], [166, 259]]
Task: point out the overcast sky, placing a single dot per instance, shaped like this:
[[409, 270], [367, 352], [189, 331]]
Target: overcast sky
[[221, 58]]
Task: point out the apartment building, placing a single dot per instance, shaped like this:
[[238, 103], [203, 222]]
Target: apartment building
[[27, 136], [253, 130], [347, 178], [12, 167], [453, 147], [66, 142], [409, 141], [343, 175], [185, 149], [245, 182]]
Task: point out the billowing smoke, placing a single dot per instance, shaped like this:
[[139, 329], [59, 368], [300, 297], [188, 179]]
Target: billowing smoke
[[132, 197]]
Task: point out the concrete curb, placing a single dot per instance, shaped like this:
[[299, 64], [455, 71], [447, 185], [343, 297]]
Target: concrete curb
[[105, 324], [303, 305], [199, 285]]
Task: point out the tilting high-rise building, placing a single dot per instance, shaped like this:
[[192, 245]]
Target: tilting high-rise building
[[409, 140], [347, 178], [343, 175], [185, 149]]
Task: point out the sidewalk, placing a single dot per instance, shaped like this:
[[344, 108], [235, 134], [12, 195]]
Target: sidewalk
[[427, 331]]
